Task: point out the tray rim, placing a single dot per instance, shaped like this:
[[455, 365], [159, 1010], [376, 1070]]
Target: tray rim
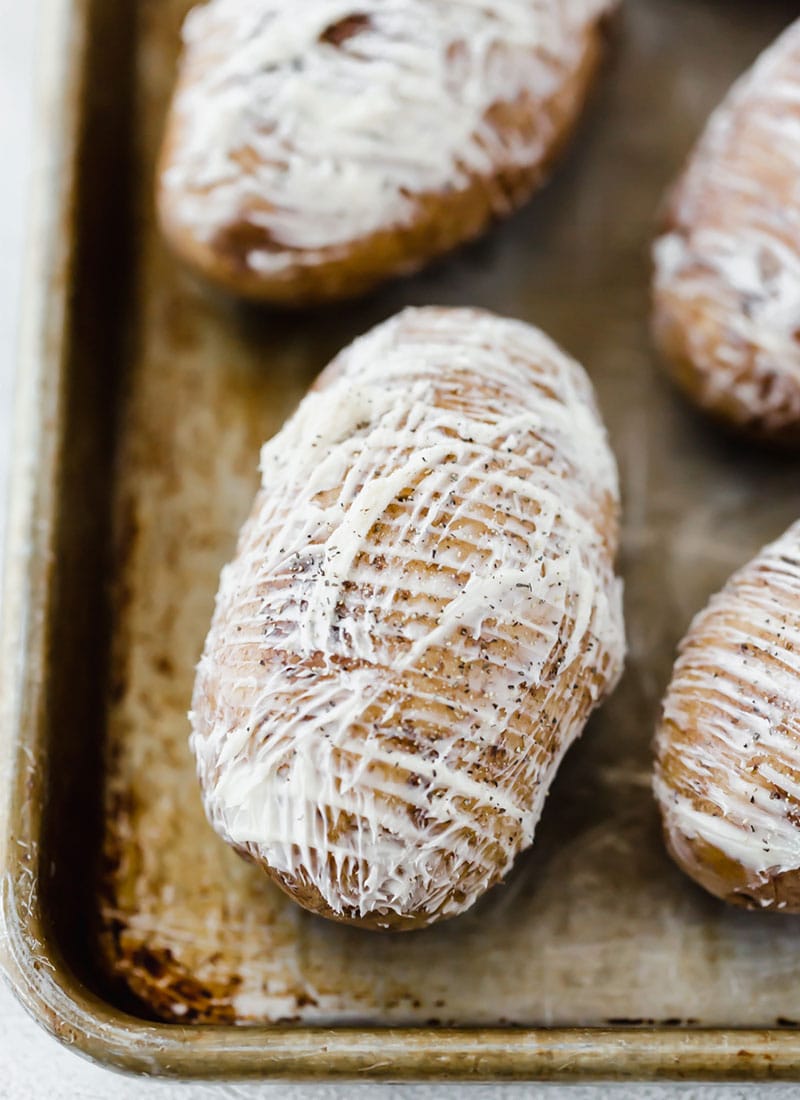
[[42, 982]]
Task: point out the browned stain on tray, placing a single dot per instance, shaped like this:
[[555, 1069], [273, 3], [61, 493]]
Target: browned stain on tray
[[594, 925]]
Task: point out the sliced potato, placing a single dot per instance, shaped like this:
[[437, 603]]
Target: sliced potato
[[727, 265], [728, 749], [315, 147], [421, 615]]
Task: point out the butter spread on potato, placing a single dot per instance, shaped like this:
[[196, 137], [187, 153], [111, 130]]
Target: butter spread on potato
[[421, 614], [315, 147], [727, 264], [728, 748]]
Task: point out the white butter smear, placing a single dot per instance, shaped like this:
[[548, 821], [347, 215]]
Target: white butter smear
[[421, 614], [321, 143], [733, 255], [732, 719]]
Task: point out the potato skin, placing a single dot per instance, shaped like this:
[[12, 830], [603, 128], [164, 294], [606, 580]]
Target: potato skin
[[414, 192], [420, 617], [726, 288], [727, 773]]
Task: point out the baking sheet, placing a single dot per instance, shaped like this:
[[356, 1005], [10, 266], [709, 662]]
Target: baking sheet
[[594, 925]]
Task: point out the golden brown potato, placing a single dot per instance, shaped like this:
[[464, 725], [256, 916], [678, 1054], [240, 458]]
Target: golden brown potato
[[421, 614], [313, 149], [728, 749], [727, 266]]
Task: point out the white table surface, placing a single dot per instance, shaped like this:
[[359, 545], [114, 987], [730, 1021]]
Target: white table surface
[[33, 1065]]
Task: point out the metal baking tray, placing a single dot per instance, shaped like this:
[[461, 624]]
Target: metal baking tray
[[130, 931]]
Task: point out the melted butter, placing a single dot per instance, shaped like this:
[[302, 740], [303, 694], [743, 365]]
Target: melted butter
[[421, 614], [732, 719], [321, 144], [732, 257]]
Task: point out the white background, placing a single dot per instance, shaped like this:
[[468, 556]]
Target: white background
[[32, 1065]]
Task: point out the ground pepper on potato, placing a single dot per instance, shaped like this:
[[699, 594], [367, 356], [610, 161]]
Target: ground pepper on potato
[[420, 617]]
